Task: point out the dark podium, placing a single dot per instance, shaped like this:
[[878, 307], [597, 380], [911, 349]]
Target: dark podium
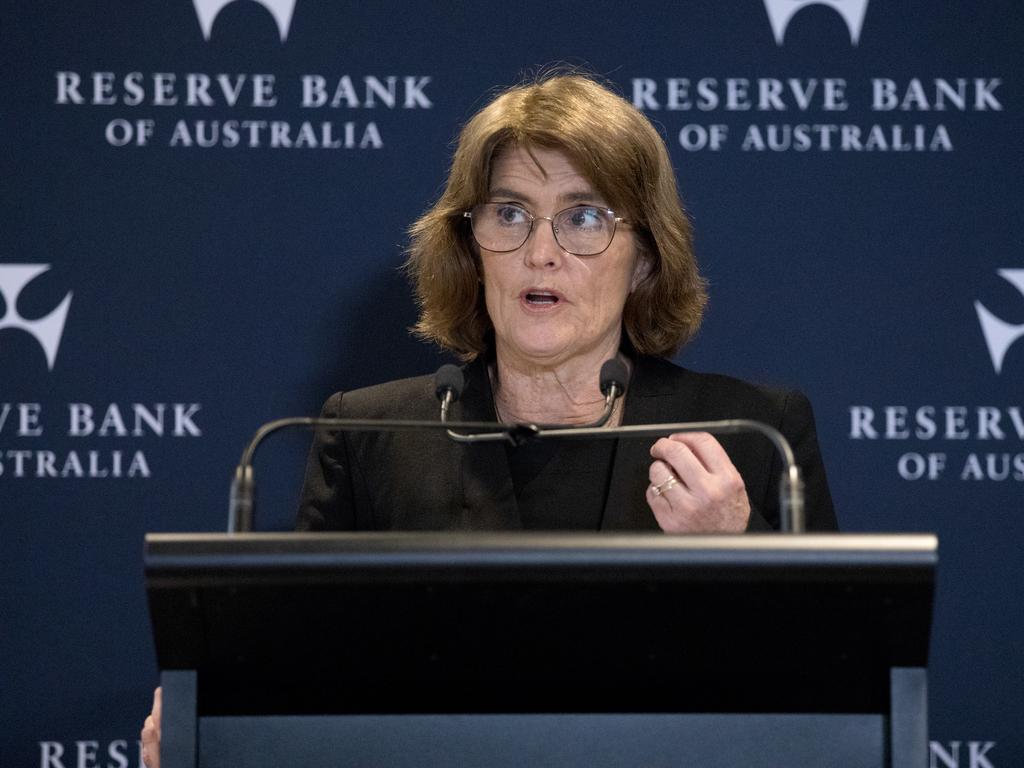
[[436, 649]]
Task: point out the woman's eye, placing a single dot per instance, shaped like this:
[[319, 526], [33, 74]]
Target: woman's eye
[[511, 214], [585, 218]]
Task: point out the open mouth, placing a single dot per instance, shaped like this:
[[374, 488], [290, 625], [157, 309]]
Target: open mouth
[[541, 298]]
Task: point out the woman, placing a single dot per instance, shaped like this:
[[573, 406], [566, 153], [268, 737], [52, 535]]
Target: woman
[[558, 243]]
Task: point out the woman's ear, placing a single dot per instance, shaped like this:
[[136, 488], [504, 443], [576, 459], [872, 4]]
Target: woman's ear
[[641, 270]]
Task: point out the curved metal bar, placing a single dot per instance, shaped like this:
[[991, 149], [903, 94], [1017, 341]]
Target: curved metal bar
[[791, 497]]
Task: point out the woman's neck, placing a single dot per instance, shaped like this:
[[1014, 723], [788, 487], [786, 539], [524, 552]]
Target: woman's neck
[[566, 392]]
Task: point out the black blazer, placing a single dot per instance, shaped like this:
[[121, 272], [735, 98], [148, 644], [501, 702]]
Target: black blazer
[[425, 481]]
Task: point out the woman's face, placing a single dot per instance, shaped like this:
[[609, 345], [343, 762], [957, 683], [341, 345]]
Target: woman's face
[[549, 306]]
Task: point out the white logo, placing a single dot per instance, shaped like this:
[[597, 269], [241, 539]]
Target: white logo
[[781, 12], [46, 330], [281, 10], [999, 334]]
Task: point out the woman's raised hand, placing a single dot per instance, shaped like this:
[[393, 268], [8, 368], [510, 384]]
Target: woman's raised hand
[[694, 486]]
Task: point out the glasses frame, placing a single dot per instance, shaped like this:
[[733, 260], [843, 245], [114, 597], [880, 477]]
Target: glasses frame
[[616, 220]]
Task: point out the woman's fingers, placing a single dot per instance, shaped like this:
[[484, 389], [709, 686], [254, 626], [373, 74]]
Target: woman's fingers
[[707, 449], [151, 733], [682, 461], [158, 699]]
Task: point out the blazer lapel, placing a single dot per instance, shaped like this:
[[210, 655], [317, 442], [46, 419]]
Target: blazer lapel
[[488, 498], [654, 396]]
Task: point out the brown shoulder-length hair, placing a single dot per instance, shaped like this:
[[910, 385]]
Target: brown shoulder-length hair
[[618, 150]]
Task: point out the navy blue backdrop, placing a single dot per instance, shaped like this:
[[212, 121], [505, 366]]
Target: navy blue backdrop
[[204, 211]]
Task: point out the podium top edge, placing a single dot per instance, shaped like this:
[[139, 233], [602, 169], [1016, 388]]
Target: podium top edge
[[905, 543], [190, 559]]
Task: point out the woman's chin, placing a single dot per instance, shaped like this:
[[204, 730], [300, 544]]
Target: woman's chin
[[548, 351], [543, 350]]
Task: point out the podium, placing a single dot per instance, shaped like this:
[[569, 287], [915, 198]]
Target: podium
[[394, 650]]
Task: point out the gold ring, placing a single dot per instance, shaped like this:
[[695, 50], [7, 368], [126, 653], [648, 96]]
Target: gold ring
[[661, 487]]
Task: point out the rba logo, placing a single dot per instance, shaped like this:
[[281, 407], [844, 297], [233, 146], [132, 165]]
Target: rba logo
[[46, 330], [281, 10], [999, 334], [781, 12]]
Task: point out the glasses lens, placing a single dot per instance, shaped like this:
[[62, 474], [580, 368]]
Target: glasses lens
[[500, 226], [584, 230]]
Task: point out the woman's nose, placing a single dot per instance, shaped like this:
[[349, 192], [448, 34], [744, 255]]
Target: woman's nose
[[542, 248]]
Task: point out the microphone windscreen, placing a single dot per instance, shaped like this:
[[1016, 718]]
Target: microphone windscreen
[[449, 378], [613, 371]]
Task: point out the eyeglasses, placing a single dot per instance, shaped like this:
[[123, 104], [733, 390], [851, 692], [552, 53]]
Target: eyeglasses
[[583, 230]]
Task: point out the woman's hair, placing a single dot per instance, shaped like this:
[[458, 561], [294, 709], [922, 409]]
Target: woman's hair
[[618, 150]]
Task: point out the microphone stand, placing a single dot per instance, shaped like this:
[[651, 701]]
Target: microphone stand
[[791, 490], [791, 486], [613, 373]]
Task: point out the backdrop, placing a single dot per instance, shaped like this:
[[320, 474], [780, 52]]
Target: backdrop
[[204, 212]]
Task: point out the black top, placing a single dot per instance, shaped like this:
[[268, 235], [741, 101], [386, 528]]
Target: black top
[[561, 484]]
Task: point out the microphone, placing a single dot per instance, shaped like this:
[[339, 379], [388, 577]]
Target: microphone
[[613, 374], [448, 385]]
